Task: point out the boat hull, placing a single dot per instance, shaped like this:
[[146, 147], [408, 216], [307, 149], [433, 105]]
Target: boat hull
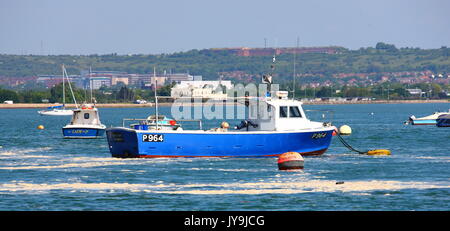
[[443, 122], [423, 122], [124, 142], [83, 133], [57, 113]]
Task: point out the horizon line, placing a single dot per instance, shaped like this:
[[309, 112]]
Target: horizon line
[[212, 48]]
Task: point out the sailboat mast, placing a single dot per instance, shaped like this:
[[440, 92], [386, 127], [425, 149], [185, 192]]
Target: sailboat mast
[[90, 81], [64, 89], [70, 86]]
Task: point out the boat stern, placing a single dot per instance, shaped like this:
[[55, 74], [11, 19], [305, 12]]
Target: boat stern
[[122, 142], [82, 132]]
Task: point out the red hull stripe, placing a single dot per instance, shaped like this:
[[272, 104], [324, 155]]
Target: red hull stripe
[[314, 153]]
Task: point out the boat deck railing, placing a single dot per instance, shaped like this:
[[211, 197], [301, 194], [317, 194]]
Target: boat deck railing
[[323, 113], [153, 122]]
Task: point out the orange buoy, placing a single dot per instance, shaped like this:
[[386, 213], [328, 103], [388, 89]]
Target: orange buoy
[[290, 160]]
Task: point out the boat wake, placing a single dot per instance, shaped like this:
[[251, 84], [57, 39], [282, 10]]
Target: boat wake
[[250, 188], [64, 166], [24, 153]]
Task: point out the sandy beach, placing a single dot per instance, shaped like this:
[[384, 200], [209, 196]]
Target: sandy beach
[[131, 105]]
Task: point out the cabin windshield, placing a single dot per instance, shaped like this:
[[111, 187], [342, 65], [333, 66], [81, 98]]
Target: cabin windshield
[[294, 112], [290, 112], [283, 112]]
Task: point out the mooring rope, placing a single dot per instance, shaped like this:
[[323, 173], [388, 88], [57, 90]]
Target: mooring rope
[[348, 145]]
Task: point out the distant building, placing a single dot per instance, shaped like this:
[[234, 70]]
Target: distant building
[[157, 81], [98, 82], [15, 81], [53, 80], [146, 80], [177, 78], [139, 80], [416, 92], [116, 80], [96, 79], [246, 51], [204, 89]]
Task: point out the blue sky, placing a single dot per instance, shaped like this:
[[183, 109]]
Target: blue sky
[[153, 27]]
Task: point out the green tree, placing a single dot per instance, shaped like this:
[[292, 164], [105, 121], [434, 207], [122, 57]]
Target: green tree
[[8, 95], [125, 94], [386, 47]]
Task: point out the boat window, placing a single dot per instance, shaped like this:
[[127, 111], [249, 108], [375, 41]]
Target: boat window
[[86, 115], [283, 112], [294, 112]]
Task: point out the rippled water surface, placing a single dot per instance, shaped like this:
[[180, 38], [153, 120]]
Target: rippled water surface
[[39, 170]]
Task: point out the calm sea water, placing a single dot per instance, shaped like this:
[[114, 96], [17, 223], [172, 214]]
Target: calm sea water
[[39, 170]]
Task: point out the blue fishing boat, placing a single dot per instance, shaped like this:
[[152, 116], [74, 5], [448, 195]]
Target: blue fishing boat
[[85, 124], [274, 125], [443, 121], [286, 129]]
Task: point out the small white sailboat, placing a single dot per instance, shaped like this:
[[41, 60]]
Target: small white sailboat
[[56, 111], [60, 110]]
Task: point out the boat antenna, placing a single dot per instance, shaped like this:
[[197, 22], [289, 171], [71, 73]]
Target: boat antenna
[[293, 78], [267, 79], [156, 97]]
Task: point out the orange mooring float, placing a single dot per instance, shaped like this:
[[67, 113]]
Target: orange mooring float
[[290, 160]]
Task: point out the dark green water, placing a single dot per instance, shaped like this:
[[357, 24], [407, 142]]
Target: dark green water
[[39, 170]]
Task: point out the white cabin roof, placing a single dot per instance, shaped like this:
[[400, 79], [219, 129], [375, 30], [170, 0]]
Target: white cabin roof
[[284, 102], [85, 117]]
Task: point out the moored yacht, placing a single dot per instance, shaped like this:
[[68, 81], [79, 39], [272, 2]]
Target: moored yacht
[[85, 123]]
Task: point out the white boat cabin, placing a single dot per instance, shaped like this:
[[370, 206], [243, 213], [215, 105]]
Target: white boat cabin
[[87, 115], [279, 114]]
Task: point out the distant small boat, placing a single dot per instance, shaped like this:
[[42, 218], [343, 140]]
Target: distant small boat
[[85, 124], [56, 111], [443, 121], [60, 110], [426, 120]]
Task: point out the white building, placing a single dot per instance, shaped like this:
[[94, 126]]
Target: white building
[[178, 78], [97, 82], [416, 92]]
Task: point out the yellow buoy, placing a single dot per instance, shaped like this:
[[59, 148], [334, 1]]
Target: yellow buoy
[[379, 152], [40, 127], [345, 130], [225, 125]]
